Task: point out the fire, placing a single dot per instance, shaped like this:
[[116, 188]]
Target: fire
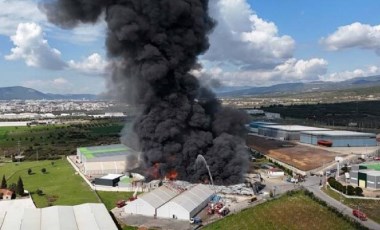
[[172, 175]]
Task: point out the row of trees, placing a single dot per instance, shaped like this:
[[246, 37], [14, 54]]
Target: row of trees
[[15, 188], [348, 189]]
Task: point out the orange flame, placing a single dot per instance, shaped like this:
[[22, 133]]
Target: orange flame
[[172, 175]]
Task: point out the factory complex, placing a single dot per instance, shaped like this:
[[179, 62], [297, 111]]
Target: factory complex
[[305, 149], [106, 159], [366, 176], [313, 135]]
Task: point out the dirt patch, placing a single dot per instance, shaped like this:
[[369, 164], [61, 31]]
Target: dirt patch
[[301, 157]]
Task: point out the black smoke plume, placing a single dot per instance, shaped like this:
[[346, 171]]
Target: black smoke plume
[[153, 45]]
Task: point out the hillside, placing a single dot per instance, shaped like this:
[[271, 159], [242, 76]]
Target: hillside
[[23, 93], [297, 88]]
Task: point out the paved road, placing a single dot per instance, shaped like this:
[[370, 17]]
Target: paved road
[[312, 184]]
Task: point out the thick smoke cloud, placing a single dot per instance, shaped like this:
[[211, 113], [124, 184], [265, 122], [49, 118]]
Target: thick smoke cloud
[[154, 44]]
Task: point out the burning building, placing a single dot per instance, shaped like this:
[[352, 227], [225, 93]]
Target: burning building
[[152, 47]]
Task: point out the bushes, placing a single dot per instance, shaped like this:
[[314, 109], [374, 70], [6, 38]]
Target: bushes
[[358, 191], [349, 190]]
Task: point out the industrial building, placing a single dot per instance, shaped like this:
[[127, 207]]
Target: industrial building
[[366, 176], [79, 217], [106, 159], [285, 132], [339, 138], [254, 126], [187, 204], [169, 202], [108, 180], [148, 203]]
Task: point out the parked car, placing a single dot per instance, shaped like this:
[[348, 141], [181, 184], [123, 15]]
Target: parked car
[[376, 158], [120, 203], [359, 214], [195, 220]]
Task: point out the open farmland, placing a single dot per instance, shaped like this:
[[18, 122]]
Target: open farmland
[[296, 211], [60, 184], [50, 141]]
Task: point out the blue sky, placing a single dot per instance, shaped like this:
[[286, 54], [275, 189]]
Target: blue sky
[[274, 41]]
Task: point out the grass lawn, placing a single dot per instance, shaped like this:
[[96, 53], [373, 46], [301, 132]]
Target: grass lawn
[[287, 212], [370, 207], [110, 198], [60, 184]]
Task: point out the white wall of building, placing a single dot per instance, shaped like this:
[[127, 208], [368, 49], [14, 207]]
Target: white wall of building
[[140, 207]]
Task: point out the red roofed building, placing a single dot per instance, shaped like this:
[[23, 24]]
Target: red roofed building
[[7, 194]]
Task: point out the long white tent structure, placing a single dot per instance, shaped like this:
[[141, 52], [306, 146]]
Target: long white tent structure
[[187, 204], [80, 217], [148, 203], [171, 203]]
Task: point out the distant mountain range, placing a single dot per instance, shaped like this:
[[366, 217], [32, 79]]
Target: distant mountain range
[[296, 88], [23, 93]]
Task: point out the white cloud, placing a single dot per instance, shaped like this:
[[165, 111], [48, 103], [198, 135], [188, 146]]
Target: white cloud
[[345, 75], [31, 47], [57, 85], [14, 12], [244, 39], [358, 35], [93, 64], [291, 70]]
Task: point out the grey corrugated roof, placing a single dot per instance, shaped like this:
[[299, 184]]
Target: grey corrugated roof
[[79, 217], [193, 197], [159, 196]]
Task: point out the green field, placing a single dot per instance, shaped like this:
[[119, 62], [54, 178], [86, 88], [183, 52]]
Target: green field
[[110, 198], [52, 140], [287, 212], [370, 207], [60, 184]]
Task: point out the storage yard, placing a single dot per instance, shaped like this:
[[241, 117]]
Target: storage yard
[[300, 157]]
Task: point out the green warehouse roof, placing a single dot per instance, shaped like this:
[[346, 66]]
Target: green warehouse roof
[[104, 150]]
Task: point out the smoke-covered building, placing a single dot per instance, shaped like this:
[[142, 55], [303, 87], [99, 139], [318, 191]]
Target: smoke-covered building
[[366, 176], [106, 159], [285, 132], [339, 138]]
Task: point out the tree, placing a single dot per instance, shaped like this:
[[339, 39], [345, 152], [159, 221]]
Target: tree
[[20, 187], [350, 190], [4, 182], [39, 192], [43, 170], [358, 191], [13, 187], [29, 171]]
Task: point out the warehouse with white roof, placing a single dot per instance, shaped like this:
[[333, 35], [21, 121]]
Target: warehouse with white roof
[[107, 159], [187, 204], [285, 132], [80, 217], [339, 138], [171, 203], [148, 203]]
